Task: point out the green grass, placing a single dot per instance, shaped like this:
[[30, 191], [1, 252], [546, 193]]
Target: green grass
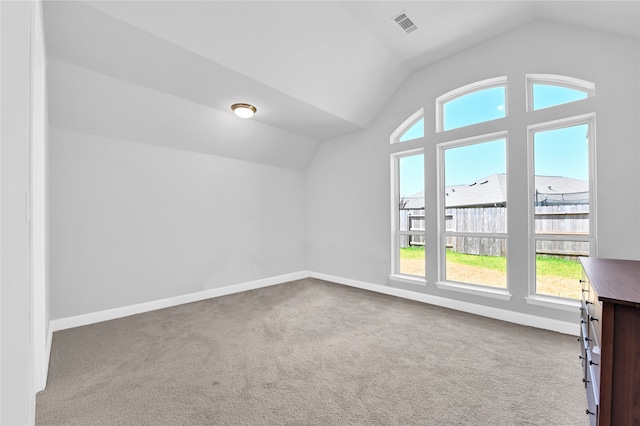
[[545, 265], [496, 263], [412, 253]]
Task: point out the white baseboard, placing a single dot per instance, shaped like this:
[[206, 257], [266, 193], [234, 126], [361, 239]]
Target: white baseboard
[[486, 311], [109, 314], [564, 327], [477, 309]]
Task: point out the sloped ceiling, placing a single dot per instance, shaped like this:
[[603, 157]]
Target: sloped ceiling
[[166, 72]]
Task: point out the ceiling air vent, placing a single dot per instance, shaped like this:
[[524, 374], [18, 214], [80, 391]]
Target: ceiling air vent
[[405, 23]]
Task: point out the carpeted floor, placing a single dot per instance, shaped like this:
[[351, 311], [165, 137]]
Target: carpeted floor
[[311, 353]]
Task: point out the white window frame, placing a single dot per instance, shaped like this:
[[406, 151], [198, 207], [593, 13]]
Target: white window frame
[[590, 120], [405, 126], [466, 90], [567, 82], [475, 289], [395, 220]]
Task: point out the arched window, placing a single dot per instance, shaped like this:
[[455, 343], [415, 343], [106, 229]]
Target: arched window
[[471, 104], [414, 132], [547, 90], [411, 128], [473, 191], [408, 202]]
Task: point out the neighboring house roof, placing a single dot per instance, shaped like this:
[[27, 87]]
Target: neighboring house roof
[[489, 191], [492, 190]]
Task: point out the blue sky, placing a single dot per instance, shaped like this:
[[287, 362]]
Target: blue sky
[[561, 152]]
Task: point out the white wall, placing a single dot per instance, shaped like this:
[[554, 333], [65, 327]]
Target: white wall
[[88, 101], [351, 174], [39, 204], [17, 396], [132, 223]]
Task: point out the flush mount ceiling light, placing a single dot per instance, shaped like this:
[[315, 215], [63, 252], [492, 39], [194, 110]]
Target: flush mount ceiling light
[[243, 110]]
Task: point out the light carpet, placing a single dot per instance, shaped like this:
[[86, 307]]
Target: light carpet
[[311, 352]]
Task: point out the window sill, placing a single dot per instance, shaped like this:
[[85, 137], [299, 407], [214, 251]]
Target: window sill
[[408, 279], [555, 303], [494, 293]]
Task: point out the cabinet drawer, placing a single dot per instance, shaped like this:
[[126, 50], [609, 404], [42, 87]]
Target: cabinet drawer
[[593, 387], [595, 318], [593, 373], [595, 343], [584, 348], [584, 282], [592, 401]]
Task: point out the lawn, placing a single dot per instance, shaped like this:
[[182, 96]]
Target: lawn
[[555, 276]]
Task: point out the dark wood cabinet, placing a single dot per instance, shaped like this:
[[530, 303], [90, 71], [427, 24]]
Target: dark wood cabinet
[[610, 340]]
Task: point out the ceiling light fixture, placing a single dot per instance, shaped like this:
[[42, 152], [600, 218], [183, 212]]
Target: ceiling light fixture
[[243, 110]]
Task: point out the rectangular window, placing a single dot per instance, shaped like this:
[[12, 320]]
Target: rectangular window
[[560, 205], [558, 272], [476, 260], [408, 210], [473, 211]]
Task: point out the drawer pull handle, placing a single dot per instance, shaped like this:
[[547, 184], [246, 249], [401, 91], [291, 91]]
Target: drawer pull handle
[[585, 290], [580, 357], [593, 319], [582, 281], [592, 363], [586, 339], [589, 303], [585, 381], [589, 412], [582, 321]]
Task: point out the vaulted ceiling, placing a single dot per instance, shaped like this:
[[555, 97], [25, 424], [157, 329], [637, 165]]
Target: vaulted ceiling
[[166, 72]]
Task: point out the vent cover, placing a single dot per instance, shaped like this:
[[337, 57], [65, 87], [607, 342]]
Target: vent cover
[[405, 23]]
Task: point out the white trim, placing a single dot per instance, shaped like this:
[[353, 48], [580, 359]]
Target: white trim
[[571, 328], [496, 235], [590, 120], [560, 123], [124, 311], [39, 200], [409, 279], [573, 83], [406, 125], [395, 219], [395, 199], [553, 302], [476, 290], [465, 90], [474, 140], [441, 201], [1, 202]]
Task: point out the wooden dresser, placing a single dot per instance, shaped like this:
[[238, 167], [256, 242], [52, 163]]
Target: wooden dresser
[[610, 340]]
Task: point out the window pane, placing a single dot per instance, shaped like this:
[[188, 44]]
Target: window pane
[[547, 95], [412, 255], [561, 197], [475, 107], [475, 187], [411, 189], [477, 261], [411, 215], [565, 219], [557, 268], [414, 132]]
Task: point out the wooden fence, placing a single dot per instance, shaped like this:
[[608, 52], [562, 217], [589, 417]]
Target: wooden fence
[[567, 220]]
